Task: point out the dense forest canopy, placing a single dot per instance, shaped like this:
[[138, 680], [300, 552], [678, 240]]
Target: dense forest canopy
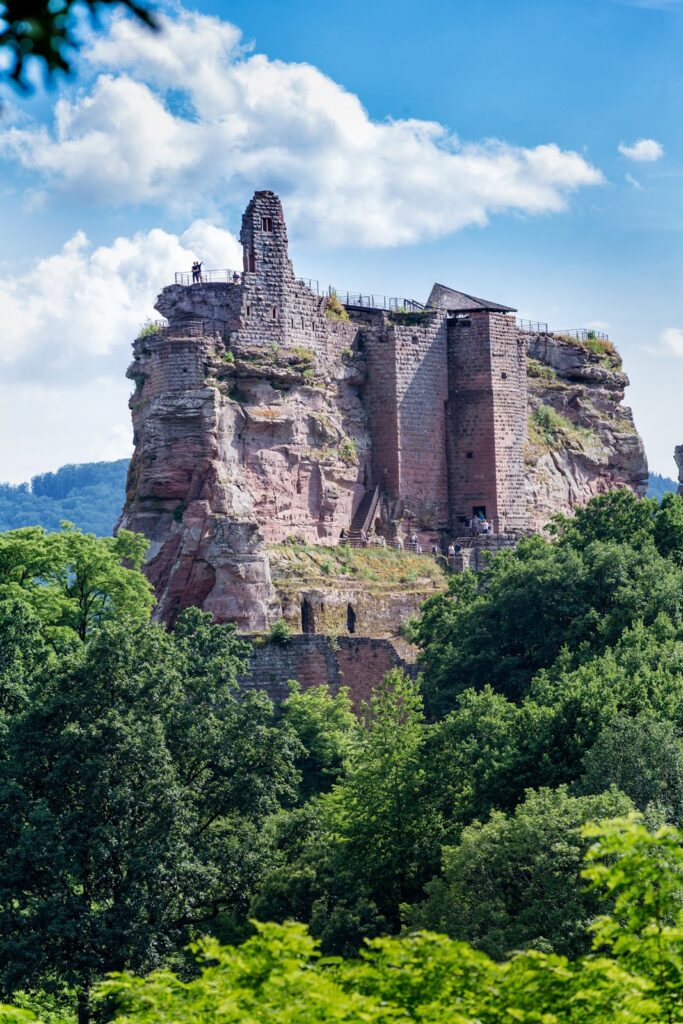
[[448, 830]]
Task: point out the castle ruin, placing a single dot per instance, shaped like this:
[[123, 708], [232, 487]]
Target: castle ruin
[[266, 410]]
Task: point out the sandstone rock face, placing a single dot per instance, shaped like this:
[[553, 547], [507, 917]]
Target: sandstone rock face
[[591, 445]]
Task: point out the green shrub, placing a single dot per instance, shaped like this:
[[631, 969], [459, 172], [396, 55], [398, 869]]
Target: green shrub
[[280, 632], [228, 357], [539, 370], [334, 310], [179, 511], [549, 429], [348, 451], [304, 355], [149, 327]]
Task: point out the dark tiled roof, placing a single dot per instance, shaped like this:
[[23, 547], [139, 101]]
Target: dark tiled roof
[[442, 297]]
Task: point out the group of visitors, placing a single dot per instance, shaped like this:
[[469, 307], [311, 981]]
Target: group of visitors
[[478, 524]]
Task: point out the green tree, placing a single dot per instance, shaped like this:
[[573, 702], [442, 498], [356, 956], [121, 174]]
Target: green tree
[[514, 882], [47, 32], [642, 873], [643, 757], [385, 825], [75, 581], [132, 801], [485, 754], [325, 725]]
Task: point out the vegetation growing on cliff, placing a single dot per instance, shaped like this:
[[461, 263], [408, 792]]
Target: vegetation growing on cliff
[[550, 431], [384, 567]]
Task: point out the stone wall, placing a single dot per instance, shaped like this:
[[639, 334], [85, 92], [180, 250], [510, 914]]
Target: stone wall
[[359, 664], [470, 415], [486, 414], [510, 411]]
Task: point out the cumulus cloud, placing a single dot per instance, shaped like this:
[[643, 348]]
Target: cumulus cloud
[[671, 339], [188, 118], [642, 151], [67, 328]]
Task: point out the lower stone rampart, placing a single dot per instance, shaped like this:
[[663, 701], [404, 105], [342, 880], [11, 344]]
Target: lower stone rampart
[[315, 660]]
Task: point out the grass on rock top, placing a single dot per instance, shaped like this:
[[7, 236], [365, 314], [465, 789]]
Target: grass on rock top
[[385, 568]]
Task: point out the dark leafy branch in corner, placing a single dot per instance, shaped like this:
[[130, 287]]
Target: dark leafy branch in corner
[[46, 30]]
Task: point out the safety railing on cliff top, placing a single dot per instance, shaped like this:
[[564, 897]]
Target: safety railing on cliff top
[[390, 303], [584, 334], [184, 277], [580, 333], [532, 326]]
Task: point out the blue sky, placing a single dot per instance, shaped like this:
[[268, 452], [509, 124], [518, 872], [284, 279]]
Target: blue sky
[[475, 143]]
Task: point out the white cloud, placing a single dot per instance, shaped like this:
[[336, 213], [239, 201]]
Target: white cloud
[[643, 151], [67, 328], [188, 118], [634, 183], [671, 339]]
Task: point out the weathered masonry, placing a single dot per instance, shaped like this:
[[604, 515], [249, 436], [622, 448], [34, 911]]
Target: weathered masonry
[[267, 411]]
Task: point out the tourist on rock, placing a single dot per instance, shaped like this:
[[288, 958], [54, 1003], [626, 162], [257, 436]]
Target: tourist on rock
[[235, 278]]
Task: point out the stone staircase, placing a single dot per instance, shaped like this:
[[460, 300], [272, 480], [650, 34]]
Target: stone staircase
[[364, 515]]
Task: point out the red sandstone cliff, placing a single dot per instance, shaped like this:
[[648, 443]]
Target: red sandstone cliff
[[582, 439]]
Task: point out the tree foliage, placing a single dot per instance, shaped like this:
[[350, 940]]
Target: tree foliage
[[46, 32]]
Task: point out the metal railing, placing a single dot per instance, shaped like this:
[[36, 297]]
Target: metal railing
[[532, 326], [311, 283], [391, 303], [209, 277], [184, 278], [584, 334]]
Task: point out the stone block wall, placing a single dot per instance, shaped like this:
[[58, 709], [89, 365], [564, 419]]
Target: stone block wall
[[169, 365], [487, 415], [510, 411], [471, 441], [380, 404], [360, 664], [421, 393], [276, 308], [405, 394]]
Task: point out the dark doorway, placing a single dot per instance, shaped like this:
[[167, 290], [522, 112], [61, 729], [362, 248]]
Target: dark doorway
[[479, 508], [307, 617], [350, 619]]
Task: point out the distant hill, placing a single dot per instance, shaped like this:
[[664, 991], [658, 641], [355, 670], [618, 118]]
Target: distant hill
[[90, 495], [659, 485]]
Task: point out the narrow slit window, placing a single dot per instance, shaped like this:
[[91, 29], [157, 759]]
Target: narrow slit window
[[267, 223]]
